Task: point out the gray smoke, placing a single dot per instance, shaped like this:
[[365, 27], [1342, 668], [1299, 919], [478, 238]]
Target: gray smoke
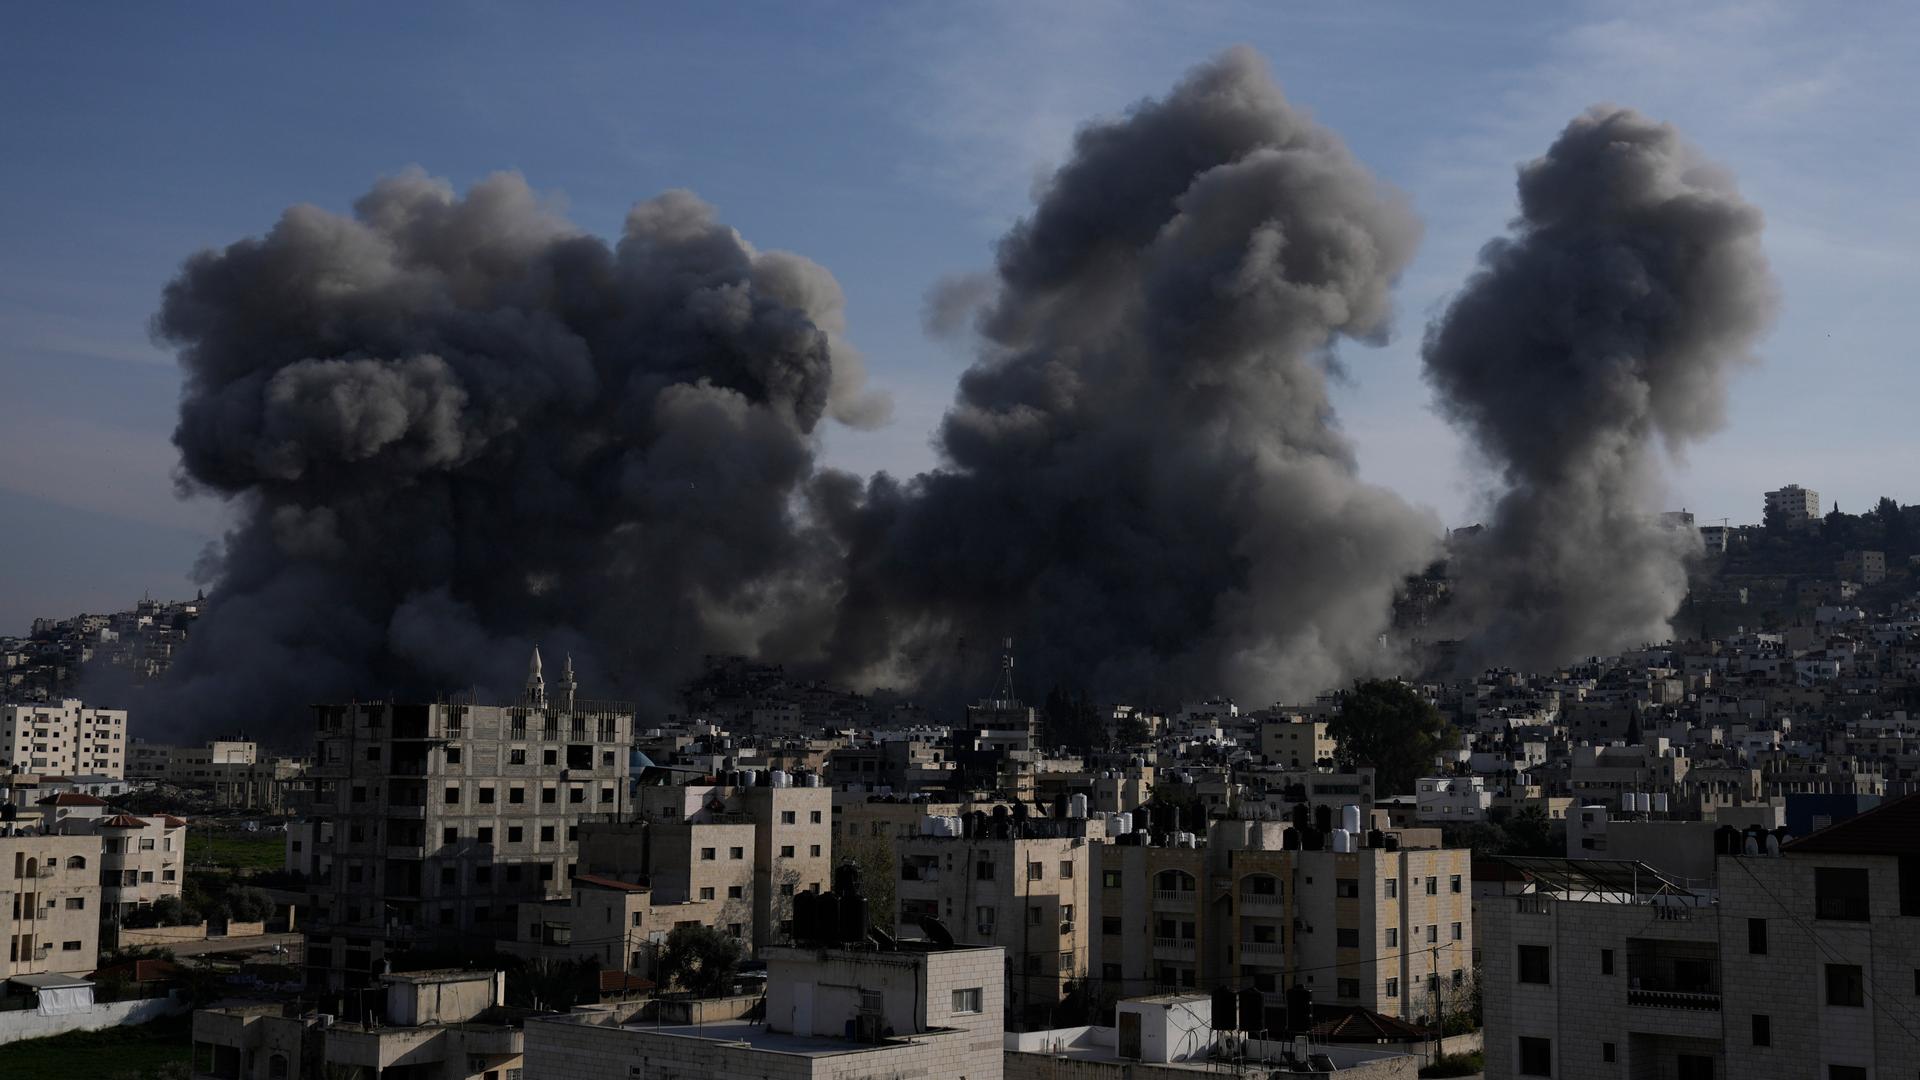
[[1601, 331], [457, 425], [1143, 480]]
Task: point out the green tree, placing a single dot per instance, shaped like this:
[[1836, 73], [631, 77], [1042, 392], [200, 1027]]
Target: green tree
[[879, 874], [699, 959], [1386, 724], [1531, 832]]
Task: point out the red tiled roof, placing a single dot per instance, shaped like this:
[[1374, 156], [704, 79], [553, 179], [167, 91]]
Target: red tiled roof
[[613, 982], [139, 971], [72, 798], [1362, 1025], [1892, 828], [123, 821], [609, 883], [172, 822]]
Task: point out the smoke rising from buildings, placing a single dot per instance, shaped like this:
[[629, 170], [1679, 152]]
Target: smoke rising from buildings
[[1601, 332], [1143, 480], [454, 425]]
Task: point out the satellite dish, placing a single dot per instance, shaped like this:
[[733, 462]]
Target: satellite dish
[[936, 931]]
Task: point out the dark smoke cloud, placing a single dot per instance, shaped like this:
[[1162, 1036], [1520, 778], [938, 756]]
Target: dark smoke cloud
[[1143, 479], [1602, 330], [455, 425]]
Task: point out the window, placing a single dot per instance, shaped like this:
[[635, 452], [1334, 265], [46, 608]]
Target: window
[[76, 903], [546, 795], [514, 833], [486, 834], [1910, 884], [517, 756], [1456, 932], [736, 853], [1346, 938], [453, 755], [1534, 964], [549, 756], [736, 892], [453, 793], [1453, 883], [69, 946], [1110, 925], [1347, 988], [1035, 915], [1393, 888], [1839, 893], [146, 845], [1346, 886], [1110, 879], [1606, 1051], [706, 854], [486, 796], [968, 1000], [1433, 886], [1757, 936], [606, 793], [706, 892], [1762, 1030], [277, 1067], [813, 816], [1393, 937], [1693, 1067], [359, 793], [983, 871], [1433, 933], [576, 794], [517, 795], [1606, 961], [787, 889], [786, 817], [1536, 1056], [449, 835], [786, 851], [546, 833], [1845, 986], [1066, 869], [1034, 871]]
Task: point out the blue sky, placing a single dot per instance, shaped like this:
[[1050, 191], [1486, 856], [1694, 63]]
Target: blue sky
[[893, 143]]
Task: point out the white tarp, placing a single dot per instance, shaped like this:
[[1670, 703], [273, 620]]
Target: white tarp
[[65, 1000]]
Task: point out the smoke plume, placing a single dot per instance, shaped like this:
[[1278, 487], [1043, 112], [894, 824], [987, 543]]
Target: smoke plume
[[455, 425], [1602, 330], [1142, 478]]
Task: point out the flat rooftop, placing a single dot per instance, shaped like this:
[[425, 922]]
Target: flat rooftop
[[757, 1036]]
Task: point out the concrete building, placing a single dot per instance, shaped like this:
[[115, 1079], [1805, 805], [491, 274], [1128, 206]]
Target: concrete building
[[1794, 504], [430, 1025], [50, 899], [1296, 742], [435, 821], [232, 771], [831, 1014], [67, 739], [141, 861], [1865, 567], [1449, 800], [1023, 890], [1800, 964], [607, 921]]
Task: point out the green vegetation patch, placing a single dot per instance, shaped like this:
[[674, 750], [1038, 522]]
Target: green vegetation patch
[[163, 1048], [236, 850]]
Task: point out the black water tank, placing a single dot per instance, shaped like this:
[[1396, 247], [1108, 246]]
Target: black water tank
[[1726, 840], [806, 929], [1290, 840], [846, 879], [853, 918], [1299, 1009], [1376, 838], [1393, 842], [1302, 816], [1253, 1010], [826, 918], [1225, 1009], [1323, 818], [1312, 839]]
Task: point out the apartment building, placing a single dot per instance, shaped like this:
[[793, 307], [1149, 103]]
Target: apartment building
[[67, 739], [1018, 886], [1296, 742], [1794, 504], [232, 771], [831, 1013], [607, 921], [50, 899], [1801, 964], [428, 1025], [141, 860], [433, 822]]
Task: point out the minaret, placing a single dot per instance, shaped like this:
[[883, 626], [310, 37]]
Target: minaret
[[567, 685], [536, 682]]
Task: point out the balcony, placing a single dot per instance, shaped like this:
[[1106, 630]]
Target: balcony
[[1674, 999], [1252, 949], [1172, 946], [1251, 902], [1176, 897]]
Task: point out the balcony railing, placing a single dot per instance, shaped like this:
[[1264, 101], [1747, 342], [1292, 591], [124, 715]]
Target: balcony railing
[[1173, 944], [1173, 896], [1262, 948], [1674, 999], [1261, 901]]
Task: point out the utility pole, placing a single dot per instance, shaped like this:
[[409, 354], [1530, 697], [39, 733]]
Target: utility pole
[[1439, 1022]]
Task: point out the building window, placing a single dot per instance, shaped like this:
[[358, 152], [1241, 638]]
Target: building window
[[1606, 1051], [786, 817], [453, 793], [1606, 961], [76, 903], [516, 795], [706, 854], [1536, 1056], [969, 1000], [1693, 1067], [1845, 986], [1840, 893], [606, 793], [983, 871], [786, 851], [514, 833], [1762, 1030], [1393, 937], [735, 892], [1110, 879], [1534, 964], [546, 795], [1456, 932], [1034, 871], [546, 833], [1036, 915], [69, 946], [706, 892], [813, 816], [453, 755], [787, 889], [1066, 869], [486, 834], [1110, 925], [1393, 988], [1346, 886], [549, 756], [1347, 988], [1757, 936], [736, 853], [1910, 884], [813, 850], [517, 756], [1346, 937], [1393, 888]]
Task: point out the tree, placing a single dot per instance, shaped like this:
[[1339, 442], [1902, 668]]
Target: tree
[[1386, 724], [699, 959], [879, 874]]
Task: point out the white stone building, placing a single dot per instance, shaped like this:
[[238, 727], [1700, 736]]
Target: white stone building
[[67, 739]]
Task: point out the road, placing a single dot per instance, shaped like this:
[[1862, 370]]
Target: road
[[256, 943]]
